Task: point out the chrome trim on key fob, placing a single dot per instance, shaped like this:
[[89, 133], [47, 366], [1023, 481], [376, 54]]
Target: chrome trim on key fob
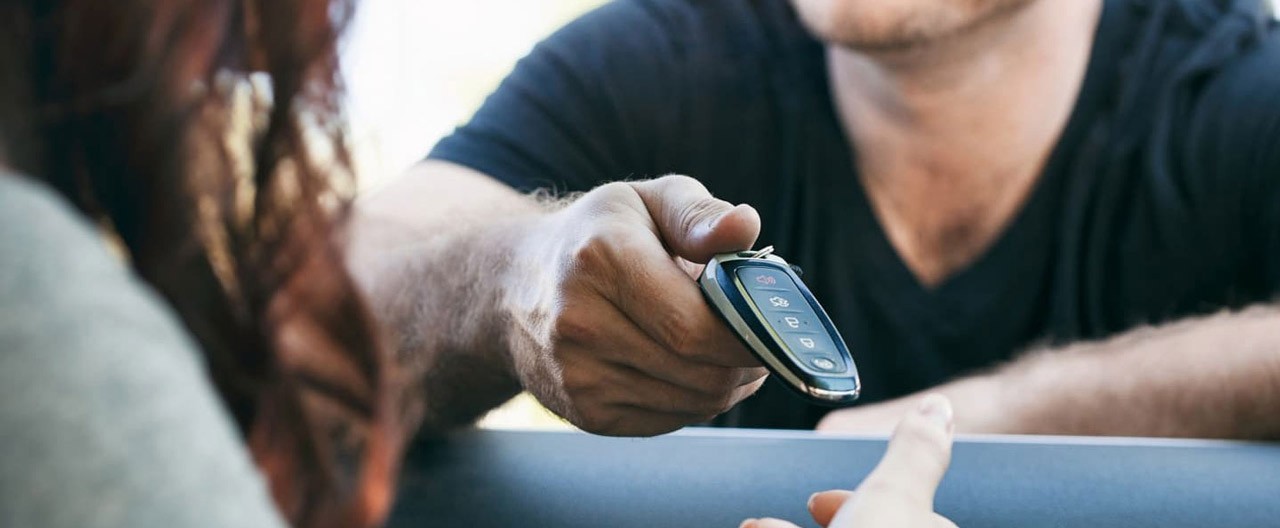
[[772, 311]]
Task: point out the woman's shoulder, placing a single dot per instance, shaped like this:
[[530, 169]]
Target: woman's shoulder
[[61, 283], [38, 226], [110, 418]]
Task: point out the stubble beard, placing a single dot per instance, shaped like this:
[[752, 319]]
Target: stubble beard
[[897, 26]]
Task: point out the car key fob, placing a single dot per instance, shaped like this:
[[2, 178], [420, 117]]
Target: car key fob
[[772, 312]]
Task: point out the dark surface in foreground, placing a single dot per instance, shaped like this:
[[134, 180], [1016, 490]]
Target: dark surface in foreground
[[718, 478]]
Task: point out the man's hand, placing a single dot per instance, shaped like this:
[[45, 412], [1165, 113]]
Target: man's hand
[[899, 492], [591, 306], [608, 328]]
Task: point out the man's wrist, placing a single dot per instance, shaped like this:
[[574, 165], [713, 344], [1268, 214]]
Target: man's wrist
[[452, 328]]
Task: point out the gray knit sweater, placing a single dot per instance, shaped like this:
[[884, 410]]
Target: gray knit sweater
[[107, 415]]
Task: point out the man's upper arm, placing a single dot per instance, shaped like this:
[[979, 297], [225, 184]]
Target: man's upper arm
[[582, 108], [107, 417]]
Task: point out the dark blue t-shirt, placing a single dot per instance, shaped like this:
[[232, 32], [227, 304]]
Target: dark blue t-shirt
[[1160, 201]]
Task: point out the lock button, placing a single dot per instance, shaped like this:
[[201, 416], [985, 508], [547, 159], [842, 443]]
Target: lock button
[[808, 344], [824, 364]]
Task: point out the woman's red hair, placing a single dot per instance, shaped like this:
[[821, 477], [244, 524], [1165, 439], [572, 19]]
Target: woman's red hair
[[207, 136]]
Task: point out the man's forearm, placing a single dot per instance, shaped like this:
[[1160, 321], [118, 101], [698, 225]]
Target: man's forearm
[[429, 253], [1211, 377]]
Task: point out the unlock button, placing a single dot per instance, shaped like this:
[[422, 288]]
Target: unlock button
[[793, 322]]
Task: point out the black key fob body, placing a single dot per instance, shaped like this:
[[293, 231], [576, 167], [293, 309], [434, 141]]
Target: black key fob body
[[767, 305]]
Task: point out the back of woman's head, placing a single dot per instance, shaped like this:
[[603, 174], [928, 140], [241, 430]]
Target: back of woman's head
[[206, 136]]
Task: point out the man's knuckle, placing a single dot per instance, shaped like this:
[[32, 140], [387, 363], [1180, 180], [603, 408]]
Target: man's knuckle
[[682, 181], [611, 193], [715, 399], [573, 327], [606, 248], [724, 381], [724, 402], [598, 419], [610, 199], [679, 333], [591, 254], [580, 385], [626, 247]]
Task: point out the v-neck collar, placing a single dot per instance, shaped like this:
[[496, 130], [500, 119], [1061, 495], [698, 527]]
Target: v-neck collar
[[1006, 263]]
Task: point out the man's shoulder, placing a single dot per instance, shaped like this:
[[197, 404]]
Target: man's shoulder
[[1234, 119], [1223, 54], [629, 88], [1207, 87], [1249, 82]]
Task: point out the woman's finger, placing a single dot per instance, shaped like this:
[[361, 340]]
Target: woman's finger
[[916, 460], [824, 505], [766, 523]]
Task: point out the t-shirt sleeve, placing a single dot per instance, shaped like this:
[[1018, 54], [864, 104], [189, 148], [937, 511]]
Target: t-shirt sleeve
[[1266, 133], [1238, 140], [1267, 199], [582, 108], [107, 416]]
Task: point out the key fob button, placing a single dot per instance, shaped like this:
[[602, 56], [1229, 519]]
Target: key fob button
[[793, 322], [779, 302], [824, 364], [802, 344], [759, 279]]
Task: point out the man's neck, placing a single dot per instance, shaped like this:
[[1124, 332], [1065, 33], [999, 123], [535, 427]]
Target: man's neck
[[951, 135]]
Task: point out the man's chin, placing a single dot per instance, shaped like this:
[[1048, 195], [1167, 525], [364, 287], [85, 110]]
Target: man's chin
[[902, 34], [888, 26]]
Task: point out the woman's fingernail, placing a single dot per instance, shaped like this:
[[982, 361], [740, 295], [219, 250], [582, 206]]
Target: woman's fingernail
[[811, 499], [749, 523], [937, 409]]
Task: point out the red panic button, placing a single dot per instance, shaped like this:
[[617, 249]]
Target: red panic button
[[760, 278]]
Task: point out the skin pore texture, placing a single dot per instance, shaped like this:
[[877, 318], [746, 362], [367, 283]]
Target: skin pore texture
[[954, 104]]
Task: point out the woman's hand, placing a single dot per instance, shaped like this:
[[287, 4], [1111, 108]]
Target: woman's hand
[[899, 492]]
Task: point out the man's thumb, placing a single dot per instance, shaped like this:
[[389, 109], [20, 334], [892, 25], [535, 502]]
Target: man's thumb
[[695, 225]]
